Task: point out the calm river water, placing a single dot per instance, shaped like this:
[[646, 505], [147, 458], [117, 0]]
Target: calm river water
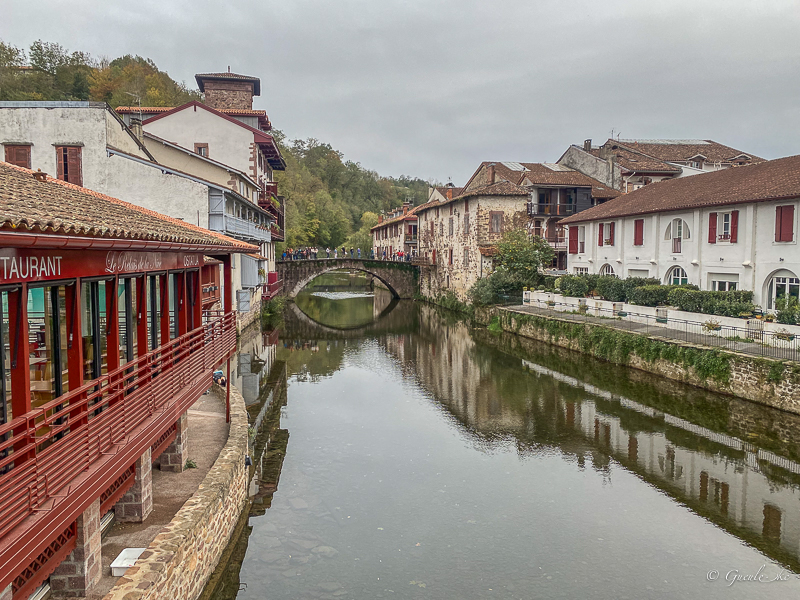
[[401, 453]]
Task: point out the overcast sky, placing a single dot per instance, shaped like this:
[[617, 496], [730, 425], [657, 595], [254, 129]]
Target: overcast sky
[[430, 89]]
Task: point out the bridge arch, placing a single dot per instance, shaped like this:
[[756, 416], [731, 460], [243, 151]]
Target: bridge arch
[[399, 278]]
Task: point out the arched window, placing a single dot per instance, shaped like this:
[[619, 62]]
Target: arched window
[[607, 270], [677, 231], [677, 276], [782, 284]]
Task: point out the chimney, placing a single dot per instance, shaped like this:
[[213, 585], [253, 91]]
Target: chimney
[[491, 174], [136, 128], [587, 145], [405, 209], [449, 193], [380, 219], [39, 175]]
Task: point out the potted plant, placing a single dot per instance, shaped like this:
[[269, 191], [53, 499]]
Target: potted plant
[[784, 334], [769, 317], [712, 325]]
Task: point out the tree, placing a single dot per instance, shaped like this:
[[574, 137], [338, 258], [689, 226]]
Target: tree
[[522, 256]]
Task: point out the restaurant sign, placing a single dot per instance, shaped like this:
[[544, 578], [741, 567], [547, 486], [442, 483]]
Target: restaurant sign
[[19, 265]]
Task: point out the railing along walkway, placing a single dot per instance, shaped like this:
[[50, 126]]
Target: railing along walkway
[[737, 339]]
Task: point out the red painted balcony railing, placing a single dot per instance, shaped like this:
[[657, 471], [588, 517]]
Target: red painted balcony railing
[[272, 287], [61, 456]]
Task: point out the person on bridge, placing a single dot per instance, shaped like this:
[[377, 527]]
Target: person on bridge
[[328, 252], [384, 255], [359, 253]]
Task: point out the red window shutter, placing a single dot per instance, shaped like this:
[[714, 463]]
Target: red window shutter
[[600, 234], [778, 223], [74, 165], [734, 226], [787, 223], [60, 151], [19, 156], [638, 232], [573, 239], [712, 228], [611, 232]]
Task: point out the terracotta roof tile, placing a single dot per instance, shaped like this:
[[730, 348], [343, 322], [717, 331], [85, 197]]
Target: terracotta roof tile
[[770, 180], [411, 213], [63, 208], [682, 150], [631, 160]]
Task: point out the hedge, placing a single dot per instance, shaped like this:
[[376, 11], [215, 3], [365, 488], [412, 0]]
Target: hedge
[[728, 304]]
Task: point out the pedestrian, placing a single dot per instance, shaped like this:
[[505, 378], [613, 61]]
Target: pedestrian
[[351, 252], [328, 252], [359, 253], [384, 255], [335, 253]]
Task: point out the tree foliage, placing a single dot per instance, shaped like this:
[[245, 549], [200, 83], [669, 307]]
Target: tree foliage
[[48, 71], [331, 201]]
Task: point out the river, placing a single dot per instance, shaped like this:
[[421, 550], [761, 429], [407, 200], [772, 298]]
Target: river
[[401, 453]]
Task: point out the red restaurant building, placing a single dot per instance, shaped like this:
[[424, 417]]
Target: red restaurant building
[[105, 347]]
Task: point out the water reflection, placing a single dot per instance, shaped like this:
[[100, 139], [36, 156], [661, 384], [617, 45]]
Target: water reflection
[[430, 459]]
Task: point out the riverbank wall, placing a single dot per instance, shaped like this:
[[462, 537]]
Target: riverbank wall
[[770, 382], [181, 558]]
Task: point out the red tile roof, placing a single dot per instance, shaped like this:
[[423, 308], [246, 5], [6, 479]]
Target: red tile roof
[[536, 174], [411, 216], [499, 188], [770, 180], [263, 119], [57, 207], [633, 161], [682, 150]]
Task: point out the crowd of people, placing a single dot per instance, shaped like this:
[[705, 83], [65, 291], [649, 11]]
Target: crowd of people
[[314, 253]]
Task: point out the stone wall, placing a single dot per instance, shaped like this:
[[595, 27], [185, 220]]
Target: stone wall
[[399, 277], [770, 382], [229, 94], [181, 558], [244, 320]]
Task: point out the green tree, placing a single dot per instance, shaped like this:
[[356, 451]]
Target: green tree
[[522, 256]]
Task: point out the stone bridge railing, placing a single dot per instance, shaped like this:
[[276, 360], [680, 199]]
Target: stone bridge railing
[[401, 278]]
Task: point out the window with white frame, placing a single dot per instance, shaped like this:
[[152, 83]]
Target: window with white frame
[[582, 240], [722, 285], [677, 276], [724, 224], [677, 231], [581, 270], [782, 287], [607, 270]]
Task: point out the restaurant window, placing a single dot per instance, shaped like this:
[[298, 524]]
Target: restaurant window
[[174, 303], [68, 159], [191, 296], [5, 360], [154, 310], [47, 343], [127, 304], [94, 328], [19, 155]]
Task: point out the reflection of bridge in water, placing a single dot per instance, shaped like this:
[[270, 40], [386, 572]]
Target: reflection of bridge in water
[[397, 317]]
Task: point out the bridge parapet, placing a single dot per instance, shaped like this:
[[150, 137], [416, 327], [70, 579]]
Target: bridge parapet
[[401, 278]]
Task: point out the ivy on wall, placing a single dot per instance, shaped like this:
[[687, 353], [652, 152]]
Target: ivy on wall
[[618, 346]]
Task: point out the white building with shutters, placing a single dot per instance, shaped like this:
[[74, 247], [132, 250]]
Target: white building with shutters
[[731, 229]]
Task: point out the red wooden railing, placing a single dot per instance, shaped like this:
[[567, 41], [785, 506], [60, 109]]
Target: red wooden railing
[[63, 455]]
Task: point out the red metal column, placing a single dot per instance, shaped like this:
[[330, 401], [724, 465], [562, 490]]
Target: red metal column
[[164, 325], [227, 304], [20, 351], [142, 340], [198, 298], [112, 323]]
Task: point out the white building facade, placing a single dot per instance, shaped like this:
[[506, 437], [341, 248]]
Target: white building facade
[[738, 229]]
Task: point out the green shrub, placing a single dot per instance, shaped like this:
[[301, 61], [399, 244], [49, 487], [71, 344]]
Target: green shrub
[[611, 288], [788, 310], [494, 288], [650, 295], [728, 304]]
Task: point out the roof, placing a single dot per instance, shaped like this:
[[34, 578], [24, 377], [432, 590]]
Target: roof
[[263, 139], [202, 77], [631, 160], [770, 180], [488, 250], [544, 174], [443, 190], [682, 150], [500, 188], [263, 119], [58, 207], [410, 215]]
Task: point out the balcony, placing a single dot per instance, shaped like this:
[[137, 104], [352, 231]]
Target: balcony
[[272, 287], [239, 228], [277, 233], [411, 238], [557, 243], [558, 210]]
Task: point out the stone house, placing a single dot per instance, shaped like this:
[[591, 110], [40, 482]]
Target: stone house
[[629, 164], [725, 230], [396, 231]]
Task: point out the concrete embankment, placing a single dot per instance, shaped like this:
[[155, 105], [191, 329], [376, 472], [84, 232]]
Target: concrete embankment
[[181, 558], [766, 381]]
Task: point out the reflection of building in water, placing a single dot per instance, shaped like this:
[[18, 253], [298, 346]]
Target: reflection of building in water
[[750, 492], [253, 363], [381, 299]]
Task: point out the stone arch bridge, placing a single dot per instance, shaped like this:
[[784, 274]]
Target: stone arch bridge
[[401, 278]]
